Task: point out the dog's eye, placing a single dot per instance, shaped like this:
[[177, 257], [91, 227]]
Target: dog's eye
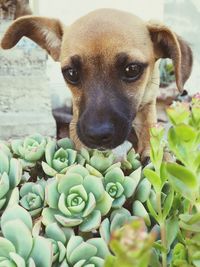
[[132, 72], [71, 75]]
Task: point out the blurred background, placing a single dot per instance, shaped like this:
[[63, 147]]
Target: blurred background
[[33, 95]]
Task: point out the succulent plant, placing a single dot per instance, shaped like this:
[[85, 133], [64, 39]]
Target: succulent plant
[[59, 156], [76, 199], [118, 218], [5, 146], [121, 187], [179, 256], [18, 247], [33, 197], [10, 176], [178, 112], [99, 160], [143, 190], [59, 237], [90, 253], [132, 161], [131, 245], [29, 150], [138, 209], [193, 248]]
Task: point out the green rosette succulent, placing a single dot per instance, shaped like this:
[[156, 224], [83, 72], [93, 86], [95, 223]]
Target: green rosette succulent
[[76, 199], [118, 218], [59, 237], [97, 162], [132, 161], [29, 150], [10, 176], [33, 197], [119, 186], [90, 253], [18, 247], [59, 156]]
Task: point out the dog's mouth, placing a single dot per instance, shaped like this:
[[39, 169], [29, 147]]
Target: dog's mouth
[[103, 142]]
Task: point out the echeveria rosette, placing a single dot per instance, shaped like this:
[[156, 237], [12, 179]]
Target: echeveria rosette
[[59, 156], [32, 197], [90, 253], [29, 150], [59, 237], [18, 247], [119, 186], [132, 161], [76, 199], [118, 218], [97, 162], [10, 176]]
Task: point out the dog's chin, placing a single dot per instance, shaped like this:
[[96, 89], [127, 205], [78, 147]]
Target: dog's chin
[[117, 140], [100, 147]]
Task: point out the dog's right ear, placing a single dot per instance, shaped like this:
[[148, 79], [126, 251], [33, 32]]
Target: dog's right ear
[[44, 31], [167, 44]]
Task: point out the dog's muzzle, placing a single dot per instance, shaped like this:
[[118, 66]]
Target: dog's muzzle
[[103, 134]]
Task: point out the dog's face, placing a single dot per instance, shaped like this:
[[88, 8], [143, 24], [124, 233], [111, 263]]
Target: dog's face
[[107, 59], [107, 65]]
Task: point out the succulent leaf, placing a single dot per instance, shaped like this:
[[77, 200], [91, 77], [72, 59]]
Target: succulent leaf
[[21, 238]]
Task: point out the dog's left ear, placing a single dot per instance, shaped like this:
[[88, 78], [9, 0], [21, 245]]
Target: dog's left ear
[[168, 45], [44, 31]]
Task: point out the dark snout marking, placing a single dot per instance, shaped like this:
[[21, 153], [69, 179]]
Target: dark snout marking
[[100, 133], [105, 115]]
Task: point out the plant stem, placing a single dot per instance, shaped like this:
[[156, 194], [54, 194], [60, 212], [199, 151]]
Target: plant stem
[[162, 231], [164, 243]]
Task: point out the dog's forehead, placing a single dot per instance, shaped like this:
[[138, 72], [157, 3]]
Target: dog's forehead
[[107, 32]]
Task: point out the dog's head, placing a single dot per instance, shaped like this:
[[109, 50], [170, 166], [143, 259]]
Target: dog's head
[[107, 59]]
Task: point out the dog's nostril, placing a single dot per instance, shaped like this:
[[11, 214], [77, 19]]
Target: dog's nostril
[[106, 138], [101, 134]]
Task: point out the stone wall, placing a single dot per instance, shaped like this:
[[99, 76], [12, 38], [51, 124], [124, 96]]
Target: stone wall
[[25, 105]]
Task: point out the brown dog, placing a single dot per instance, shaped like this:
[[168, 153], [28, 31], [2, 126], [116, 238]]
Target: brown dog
[[108, 59]]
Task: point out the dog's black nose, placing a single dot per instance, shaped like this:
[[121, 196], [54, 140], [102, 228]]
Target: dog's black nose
[[100, 134]]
